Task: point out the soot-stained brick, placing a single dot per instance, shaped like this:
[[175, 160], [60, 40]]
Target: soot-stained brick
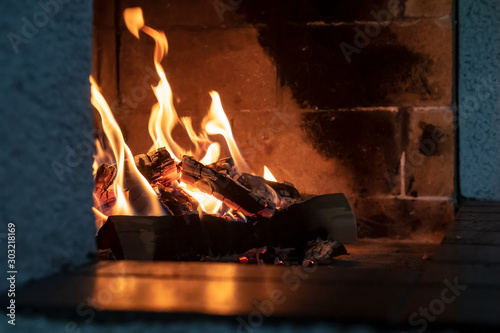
[[366, 142], [430, 134], [395, 68], [304, 11], [311, 62]]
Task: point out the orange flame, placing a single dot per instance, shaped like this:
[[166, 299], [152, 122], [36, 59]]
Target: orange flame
[[216, 122], [100, 218], [102, 155], [123, 158], [208, 203], [212, 154], [162, 121], [134, 20], [164, 117]]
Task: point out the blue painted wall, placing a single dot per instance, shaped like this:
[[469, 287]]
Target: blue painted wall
[[479, 98], [46, 133]]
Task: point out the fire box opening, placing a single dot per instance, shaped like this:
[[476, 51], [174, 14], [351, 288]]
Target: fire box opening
[[248, 115]]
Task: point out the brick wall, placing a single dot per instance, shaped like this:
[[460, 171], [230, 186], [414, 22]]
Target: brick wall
[[324, 93]]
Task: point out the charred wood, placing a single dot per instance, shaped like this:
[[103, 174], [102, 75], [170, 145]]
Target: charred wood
[[323, 251], [282, 194], [157, 167], [104, 197], [224, 188], [175, 237], [176, 200], [226, 165], [284, 189], [104, 177]]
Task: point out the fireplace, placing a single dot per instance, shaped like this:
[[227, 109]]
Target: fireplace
[[184, 175], [358, 98], [364, 109]]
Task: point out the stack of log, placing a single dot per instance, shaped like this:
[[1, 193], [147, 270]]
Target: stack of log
[[250, 195], [276, 215]]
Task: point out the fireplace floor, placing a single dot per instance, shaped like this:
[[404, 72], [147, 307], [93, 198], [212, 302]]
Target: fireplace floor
[[383, 281]]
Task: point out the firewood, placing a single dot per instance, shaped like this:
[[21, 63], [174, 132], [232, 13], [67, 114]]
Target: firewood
[[282, 194], [285, 189], [104, 177], [221, 186], [104, 196], [176, 200], [175, 237], [157, 167]]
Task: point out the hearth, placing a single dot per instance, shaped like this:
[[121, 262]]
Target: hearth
[[217, 208], [280, 131], [286, 102]]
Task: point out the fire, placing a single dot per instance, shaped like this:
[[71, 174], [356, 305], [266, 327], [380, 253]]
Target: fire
[[134, 20], [216, 122], [212, 155], [124, 160], [163, 119], [268, 175], [208, 203], [100, 218]]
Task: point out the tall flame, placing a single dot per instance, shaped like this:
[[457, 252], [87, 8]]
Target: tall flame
[[216, 122], [164, 117], [123, 158], [162, 121]]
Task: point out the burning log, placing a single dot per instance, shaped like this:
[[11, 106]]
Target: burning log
[[282, 194], [191, 237], [176, 200], [225, 165], [222, 187], [160, 170], [284, 190], [186, 233], [104, 177], [157, 167], [104, 198]]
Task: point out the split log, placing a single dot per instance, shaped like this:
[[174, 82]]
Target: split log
[[176, 200], [285, 189], [225, 165], [104, 177], [189, 236], [161, 172], [157, 167], [222, 187], [104, 197], [282, 194]]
